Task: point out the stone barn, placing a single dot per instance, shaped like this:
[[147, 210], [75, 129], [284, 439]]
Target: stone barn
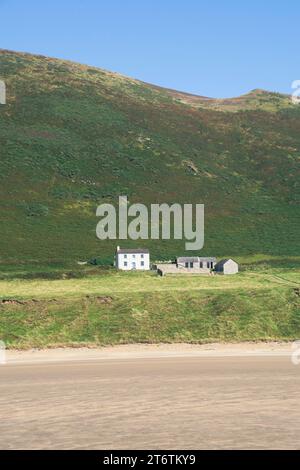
[[227, 266], [196, 262]]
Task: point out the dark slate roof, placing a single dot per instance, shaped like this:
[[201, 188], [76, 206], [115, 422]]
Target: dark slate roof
[[221, 263], [125, 251], [194, 259], [187, 259]]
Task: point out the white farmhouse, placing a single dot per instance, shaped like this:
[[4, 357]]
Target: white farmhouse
[[131, 259]]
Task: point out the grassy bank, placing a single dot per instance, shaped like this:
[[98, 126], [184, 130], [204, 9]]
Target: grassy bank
[[114, 308]]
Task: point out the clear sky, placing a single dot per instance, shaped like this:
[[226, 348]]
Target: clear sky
[[213, 48]]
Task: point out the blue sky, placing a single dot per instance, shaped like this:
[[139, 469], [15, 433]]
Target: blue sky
[[212, 48]]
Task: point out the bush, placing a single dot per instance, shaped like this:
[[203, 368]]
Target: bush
[[35, 209], [95, 262]]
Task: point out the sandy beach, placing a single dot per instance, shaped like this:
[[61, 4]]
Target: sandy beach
[[144, 351]]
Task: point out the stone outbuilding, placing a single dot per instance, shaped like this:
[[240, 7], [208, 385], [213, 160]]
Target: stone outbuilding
[[196, 262], [227, 266]]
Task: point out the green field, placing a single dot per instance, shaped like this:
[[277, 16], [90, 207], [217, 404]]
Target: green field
[[114, 308]]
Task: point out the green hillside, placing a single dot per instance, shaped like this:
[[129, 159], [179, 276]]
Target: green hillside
[[73, 136]]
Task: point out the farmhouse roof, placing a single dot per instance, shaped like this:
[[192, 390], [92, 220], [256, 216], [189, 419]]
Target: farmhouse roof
[[125, 251]]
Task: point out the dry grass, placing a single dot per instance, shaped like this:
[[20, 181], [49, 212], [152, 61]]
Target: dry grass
[[143, 282]]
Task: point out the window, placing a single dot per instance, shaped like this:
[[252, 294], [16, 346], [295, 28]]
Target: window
[[201, 264], [125, 256], [142, 263], [186, 265], [125, 263], [142, 256], [191, 265], [133, 256]]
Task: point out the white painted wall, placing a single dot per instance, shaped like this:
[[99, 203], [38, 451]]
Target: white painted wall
[[231, 267], [131, 261]]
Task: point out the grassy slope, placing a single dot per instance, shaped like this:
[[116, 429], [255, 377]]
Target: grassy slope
[[73, 136], [114, 308]]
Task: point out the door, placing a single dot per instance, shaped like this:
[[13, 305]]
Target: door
[[133, 265]]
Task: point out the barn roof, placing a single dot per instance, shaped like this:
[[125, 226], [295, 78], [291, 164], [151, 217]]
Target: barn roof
[[221, 263], [187, 259], [194, 259]]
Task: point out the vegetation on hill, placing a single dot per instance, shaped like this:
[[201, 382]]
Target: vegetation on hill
[[73, 136]]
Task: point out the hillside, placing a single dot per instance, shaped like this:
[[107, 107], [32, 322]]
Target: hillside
[[73, 136]]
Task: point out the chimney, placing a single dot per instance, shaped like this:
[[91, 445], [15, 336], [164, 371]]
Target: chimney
[[118, 248]]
